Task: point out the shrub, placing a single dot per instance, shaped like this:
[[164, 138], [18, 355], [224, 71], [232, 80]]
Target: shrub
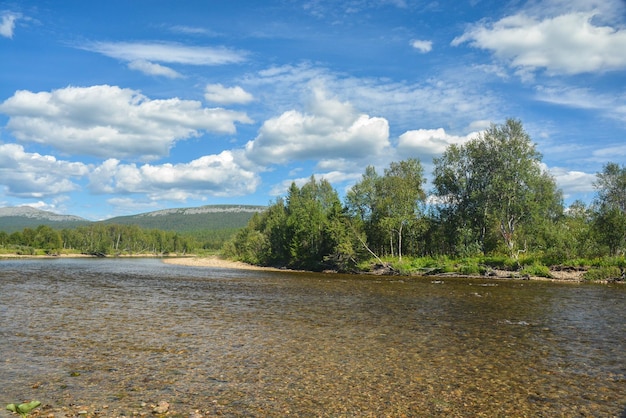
[[471, 269], [537, 270], [603, 273]]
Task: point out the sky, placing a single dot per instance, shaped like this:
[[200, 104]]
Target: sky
[[117, 107]]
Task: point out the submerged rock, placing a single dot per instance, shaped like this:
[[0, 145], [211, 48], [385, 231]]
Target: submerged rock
[[161, 408]]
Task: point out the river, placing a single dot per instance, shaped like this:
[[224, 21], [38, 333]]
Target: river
[[113, 337]]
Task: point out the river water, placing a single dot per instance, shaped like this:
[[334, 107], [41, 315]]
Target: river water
[[113, 337]]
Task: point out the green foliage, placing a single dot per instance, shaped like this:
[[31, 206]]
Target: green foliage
[[493, 188], [99, 239], [308, 230], [24, 408], [388, 207], [471, 269], [603, 273], [609, 223], [536, 269], [501, 262]]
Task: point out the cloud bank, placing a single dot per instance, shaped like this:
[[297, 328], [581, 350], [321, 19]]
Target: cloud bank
[[109, 121]]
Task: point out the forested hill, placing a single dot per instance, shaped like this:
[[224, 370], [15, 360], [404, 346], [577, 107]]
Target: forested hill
[[204, 218], [15, 219], [211, 217]]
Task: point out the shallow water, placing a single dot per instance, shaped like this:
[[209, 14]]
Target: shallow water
[[113, 337]]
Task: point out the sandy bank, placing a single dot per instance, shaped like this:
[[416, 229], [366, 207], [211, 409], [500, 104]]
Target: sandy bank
[[215, 261]]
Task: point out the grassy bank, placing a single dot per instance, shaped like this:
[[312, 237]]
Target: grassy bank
[[599, 269]]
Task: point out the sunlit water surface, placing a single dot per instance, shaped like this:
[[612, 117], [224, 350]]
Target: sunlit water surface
[[113, 337]]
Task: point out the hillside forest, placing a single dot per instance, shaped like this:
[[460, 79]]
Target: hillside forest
[[492, 204]]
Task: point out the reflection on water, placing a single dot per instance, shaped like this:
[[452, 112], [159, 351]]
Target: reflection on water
[[113, 337]]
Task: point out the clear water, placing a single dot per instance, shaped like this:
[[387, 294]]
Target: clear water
[[112, 337]]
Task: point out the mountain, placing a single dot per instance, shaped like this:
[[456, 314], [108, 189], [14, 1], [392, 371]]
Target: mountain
[[14, 219], [211, 217], [203, 218]]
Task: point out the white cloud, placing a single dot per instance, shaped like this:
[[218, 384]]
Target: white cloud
[[611, 153], [216, 175], [167, 52], [150, 68], [332, 177], [217, 93], [31, 175], [7, 24], [438, 100], [585, 98], [191, 30], [108, 121], [429, 142], [333, 130], [422, 46], [572, 182], [569, 43]]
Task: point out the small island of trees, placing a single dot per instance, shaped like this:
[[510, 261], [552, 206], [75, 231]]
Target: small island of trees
[[493, 205]]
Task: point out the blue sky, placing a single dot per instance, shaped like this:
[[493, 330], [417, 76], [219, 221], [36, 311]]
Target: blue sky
[[116, 107]]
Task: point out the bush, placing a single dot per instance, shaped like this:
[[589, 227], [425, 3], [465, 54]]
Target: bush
[[536, 270], [471, 269], [603, 273]]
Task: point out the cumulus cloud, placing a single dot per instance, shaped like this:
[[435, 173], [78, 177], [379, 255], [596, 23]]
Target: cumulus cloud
[[332, 177], [217, 93], [31, 175], [7, 24], [429, 142], [150, 68], [573, 182], [422, 46], [569, 43], [108, 121], [216, 175], [333, 130]]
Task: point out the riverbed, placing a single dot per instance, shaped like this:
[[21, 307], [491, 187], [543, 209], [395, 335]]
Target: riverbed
[[114, 337]]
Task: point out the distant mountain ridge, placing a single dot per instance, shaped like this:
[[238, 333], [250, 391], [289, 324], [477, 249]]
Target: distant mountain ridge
[[33, 213], [202, 218]]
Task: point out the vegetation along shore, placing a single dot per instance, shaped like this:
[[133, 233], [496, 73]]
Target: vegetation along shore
[[493, 211]]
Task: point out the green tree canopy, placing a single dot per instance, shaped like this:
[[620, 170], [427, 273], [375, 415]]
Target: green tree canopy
[[388, 206], [610, 217], [493, 186]]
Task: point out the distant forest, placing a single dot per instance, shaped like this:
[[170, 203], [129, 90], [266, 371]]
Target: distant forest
[[107, 239], [491, 198], [179, 231]]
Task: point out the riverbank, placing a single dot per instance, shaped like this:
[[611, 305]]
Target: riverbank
[[574, 276], [215, 261]]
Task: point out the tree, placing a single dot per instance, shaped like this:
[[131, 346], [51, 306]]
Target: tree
[[611, 186], [47, 238], [388, 206], [400, 194], [493, 186], [307, 230], [314, 225], [610, 214]]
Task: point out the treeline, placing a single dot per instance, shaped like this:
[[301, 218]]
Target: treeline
[[491, 197], [104, 239]]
